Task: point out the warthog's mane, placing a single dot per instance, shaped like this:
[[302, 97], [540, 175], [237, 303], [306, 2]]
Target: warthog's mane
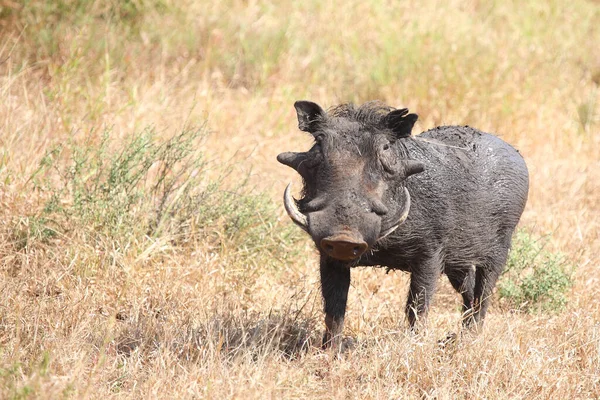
[[372, 117], [369, 115]]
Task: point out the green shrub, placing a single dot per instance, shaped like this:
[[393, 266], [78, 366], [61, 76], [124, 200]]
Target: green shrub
[[105, 192], [535, 279], [110, 191]]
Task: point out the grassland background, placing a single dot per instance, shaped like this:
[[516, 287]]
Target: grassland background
[[217, 312]]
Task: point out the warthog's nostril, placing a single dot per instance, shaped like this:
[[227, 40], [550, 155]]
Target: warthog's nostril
[[343, 247]]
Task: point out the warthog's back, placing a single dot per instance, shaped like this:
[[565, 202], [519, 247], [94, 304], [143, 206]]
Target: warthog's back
[[471, 194], [480, 163]]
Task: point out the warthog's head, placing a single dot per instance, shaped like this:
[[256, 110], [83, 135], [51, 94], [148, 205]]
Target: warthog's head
[[354, 192]]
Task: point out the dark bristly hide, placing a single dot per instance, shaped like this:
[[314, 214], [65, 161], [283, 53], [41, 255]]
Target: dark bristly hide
[[445, 201]]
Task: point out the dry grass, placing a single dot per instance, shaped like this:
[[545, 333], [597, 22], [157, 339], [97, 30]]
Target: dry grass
[[86, 313]]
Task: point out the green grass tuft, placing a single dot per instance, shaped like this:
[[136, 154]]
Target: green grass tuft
[[535, 279]]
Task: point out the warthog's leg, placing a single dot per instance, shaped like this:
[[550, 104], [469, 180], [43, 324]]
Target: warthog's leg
[[486, 277], [335, 282], [423, 281], [462, 279]]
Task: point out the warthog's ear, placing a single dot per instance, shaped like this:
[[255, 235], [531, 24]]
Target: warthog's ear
[[292, 160], [309, 115], [400, 123], [412, 167]]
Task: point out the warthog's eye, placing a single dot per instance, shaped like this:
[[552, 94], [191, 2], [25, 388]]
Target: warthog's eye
[[387, 159]]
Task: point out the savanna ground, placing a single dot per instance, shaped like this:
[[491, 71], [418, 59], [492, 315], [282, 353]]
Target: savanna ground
[[144, 251]]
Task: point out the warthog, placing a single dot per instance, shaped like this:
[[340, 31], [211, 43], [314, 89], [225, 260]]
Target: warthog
[[445, 201]]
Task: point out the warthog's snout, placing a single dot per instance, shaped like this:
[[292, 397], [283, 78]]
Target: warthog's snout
[[343, 246]]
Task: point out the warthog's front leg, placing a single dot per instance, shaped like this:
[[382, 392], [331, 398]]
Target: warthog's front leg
[[335, 282]]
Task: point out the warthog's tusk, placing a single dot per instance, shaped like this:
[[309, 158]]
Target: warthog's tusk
[[403, 216], [292, 209]]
